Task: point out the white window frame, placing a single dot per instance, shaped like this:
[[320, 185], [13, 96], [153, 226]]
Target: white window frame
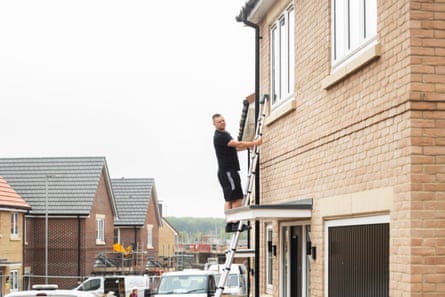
[[149, 236], [282, 57], [353, 29], [117, 233], [100, 229], [14, 280], [269, 259], [14, 225], [371, 220]]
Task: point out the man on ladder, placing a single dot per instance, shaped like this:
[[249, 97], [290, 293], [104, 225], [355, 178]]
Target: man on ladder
[[226, 152], [226, 149]]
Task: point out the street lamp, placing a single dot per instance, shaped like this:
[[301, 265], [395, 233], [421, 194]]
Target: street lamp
[[47, 177], [46, 229]]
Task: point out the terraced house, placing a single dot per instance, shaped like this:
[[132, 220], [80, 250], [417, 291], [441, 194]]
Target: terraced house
[[351, 197]]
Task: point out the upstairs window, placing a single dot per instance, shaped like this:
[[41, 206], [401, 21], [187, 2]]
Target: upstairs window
[[149, 236], [282, 39], [100, 229], [354, 28], [14, 225]]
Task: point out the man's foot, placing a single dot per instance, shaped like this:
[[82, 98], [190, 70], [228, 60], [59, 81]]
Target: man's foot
[[233, 227], [229, 227]]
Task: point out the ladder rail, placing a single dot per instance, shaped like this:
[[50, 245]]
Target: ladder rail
[[230, 254]]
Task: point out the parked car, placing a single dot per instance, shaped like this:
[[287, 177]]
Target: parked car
[[187, 283], [236, 281], [121, 285], [49, 291]]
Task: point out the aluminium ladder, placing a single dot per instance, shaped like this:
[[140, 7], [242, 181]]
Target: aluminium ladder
[[230, 254]]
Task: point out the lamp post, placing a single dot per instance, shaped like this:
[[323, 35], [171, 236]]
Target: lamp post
[[47, 177], [46, 229]]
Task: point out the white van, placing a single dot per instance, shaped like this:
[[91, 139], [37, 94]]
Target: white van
[[187, 283], [236, 281], [120, 285]]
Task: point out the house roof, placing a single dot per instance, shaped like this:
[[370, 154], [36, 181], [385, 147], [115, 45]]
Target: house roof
[[9, 197], [254, 10], [133, 199], [69, 183]]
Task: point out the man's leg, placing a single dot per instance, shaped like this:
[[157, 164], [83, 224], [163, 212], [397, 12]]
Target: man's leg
[[227, 205], [237, 203]]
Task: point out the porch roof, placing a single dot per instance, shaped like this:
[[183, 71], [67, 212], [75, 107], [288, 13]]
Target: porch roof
[[298, 209]]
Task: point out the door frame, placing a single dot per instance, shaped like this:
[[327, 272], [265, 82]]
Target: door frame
[[303, 257]]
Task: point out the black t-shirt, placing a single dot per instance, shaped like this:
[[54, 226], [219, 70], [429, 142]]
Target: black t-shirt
[[227, 156]]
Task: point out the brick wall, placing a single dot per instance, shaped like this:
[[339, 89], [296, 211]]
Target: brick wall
[[72, 247], [427, 174], [101, 206], [380, 127]]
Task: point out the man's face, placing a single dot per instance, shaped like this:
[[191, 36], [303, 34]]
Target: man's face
[[219, 123]]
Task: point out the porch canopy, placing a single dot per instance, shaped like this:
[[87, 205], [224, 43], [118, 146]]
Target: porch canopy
[[298, 209]]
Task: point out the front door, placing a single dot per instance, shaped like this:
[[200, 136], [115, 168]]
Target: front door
[[291, 261]]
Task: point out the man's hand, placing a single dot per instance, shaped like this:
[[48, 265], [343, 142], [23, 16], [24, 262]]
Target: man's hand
[[258, 141], [242, 145]]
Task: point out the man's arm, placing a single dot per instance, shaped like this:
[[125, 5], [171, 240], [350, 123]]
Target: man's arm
[[242, 145]]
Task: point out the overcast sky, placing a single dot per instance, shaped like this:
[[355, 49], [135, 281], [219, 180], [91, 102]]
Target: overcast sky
[[136, 81]]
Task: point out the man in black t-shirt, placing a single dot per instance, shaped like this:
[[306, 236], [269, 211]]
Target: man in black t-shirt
[[226, 149]]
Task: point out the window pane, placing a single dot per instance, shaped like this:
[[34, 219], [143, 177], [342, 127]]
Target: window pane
[[340, 28], [149, 236], [291, 53], [269, 256], [275, 62], [283, 58], [371, 18], [356, 17], [354, 25], [14, 224], [282, 74]]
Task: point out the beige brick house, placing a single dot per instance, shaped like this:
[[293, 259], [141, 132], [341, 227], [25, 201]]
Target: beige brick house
[[168, 238], [352, 168], [12, 211]]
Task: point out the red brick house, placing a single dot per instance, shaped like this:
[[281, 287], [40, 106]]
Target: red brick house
[[138, 222], [352, 184], [12, 212], [73, 197]]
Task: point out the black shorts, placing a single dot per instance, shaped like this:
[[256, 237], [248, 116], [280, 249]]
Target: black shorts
[[231, 184]]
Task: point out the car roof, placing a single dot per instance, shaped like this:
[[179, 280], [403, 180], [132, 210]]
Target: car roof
[[189, 272], [50, 293]]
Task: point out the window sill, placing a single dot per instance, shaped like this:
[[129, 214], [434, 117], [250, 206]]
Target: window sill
[[281, 111], [362, 59], [98, 242]]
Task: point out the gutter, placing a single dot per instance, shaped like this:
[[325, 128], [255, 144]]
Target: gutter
[[243, 17]]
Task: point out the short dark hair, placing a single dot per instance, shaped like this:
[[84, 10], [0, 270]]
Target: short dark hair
[[216, 115]]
